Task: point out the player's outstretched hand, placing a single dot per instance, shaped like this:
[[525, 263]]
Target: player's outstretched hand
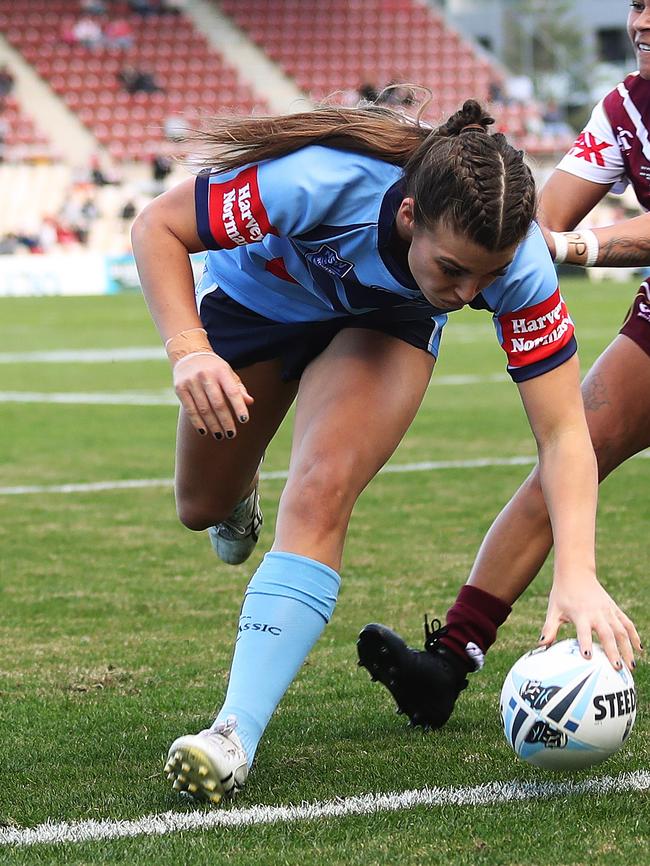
[[212, 394], [591, 609]]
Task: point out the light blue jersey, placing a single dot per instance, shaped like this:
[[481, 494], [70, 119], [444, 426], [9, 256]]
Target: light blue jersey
[[309, 237]]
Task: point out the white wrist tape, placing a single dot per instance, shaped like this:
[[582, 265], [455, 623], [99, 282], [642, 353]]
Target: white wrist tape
[[191, 355], [593, 247], [561, 247]]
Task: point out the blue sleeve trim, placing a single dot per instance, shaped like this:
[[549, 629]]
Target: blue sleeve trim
[[522, 374], [201, 198]]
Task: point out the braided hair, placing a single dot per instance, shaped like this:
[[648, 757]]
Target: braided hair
[[475, 182], [457, 172]]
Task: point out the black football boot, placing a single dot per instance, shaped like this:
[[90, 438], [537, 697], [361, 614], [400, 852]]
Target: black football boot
[[424, 683]]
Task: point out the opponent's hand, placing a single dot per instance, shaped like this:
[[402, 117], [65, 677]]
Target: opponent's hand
[[590, 608], [212, 394]]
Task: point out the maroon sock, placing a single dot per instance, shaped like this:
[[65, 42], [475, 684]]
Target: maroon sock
[[473, 620]]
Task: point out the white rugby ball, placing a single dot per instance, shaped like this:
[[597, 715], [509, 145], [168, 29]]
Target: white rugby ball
[[564, 712]]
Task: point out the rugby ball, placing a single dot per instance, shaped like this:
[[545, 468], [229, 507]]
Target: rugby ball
[[561, 711]]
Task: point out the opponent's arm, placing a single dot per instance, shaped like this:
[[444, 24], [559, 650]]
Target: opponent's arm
[[565, 200], [162, 236], [569, 483]]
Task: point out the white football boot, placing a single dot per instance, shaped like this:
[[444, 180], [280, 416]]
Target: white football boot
[[235, 538], [210, 764]]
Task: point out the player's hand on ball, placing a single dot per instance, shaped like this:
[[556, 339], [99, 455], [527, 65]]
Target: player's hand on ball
[[212, 394], [590, 608]]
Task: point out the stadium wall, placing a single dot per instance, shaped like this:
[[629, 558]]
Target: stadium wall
[[80, 273]]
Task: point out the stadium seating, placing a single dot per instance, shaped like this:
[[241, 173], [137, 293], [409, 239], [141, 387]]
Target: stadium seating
[[193, 77], [328, 47], [21, 140], [331, 47]]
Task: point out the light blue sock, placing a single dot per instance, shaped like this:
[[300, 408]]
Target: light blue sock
[[288, 601]]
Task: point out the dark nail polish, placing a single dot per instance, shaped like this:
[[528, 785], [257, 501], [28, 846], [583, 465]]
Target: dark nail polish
[[218, 435], [243, 418], [587, 654], [633, 664], [230, 434], [618, 665], [541, 637], [201, 431]]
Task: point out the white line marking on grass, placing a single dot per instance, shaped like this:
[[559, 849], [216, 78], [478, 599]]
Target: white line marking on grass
[[100, 398], [91, 487], [167, 397], [493, 793], [85, 356], [96, 486], [280, 474], [459, 334]]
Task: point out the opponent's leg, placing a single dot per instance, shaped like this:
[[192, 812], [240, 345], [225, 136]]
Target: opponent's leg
[[617, 406], [618, 414]]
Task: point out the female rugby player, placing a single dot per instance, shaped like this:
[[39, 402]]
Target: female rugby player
[[338, 242]]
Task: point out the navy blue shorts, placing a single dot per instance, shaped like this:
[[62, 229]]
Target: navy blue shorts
[[243, 337]]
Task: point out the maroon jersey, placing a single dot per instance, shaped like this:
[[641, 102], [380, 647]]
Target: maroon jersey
[[614, 146]]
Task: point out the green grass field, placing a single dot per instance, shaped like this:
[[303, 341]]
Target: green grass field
[[116, 623]]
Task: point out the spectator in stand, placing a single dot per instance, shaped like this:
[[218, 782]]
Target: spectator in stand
[[161, 167], [173, 7], [76, 217], [396, 95], [7, 82], [27, 238], [554, 121], [89, 210], [137, 80], [367, 92], [93, 7], [119, 34], [8, 244], [48, 235], [144, 7], [66, 237], [87, 32], [495, 91], [128, 211], [4, 132], [97, 174]]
